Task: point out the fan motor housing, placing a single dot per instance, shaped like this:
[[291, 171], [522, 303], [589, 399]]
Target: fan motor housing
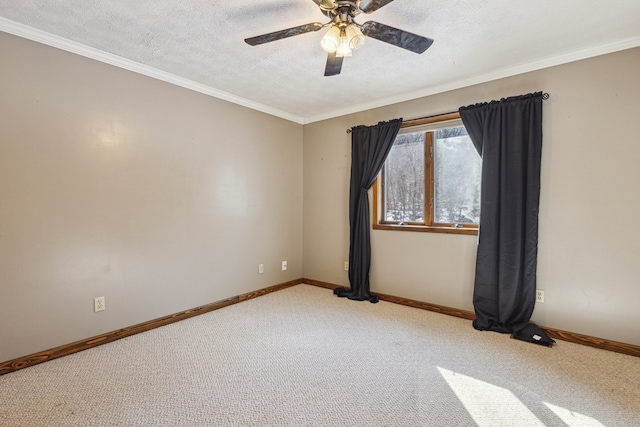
[[341, 9]]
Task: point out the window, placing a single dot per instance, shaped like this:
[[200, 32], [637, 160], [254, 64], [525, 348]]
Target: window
[[431, 179]]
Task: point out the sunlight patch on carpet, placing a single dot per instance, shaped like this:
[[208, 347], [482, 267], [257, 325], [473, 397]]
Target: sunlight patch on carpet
[[489, 405], [573, 419]]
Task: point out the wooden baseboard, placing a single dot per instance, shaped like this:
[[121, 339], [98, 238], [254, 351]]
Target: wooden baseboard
[[601, 343], [320, 284], [403, 301], [270, 289], [67, 349]]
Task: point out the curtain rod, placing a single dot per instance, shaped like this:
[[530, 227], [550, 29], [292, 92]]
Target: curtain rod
[[545, 96]]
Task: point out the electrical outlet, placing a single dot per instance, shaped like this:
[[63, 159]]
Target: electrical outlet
[[284, 265], [346, 266], [260, 268], [539, 296], [98, 304]]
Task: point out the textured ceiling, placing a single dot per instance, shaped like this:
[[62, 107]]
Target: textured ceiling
[[199, 44]]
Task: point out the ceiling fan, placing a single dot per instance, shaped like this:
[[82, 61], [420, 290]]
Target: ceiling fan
[[346, 35]]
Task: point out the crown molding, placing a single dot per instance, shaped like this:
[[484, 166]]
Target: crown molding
[[43, 37], [498, 74]]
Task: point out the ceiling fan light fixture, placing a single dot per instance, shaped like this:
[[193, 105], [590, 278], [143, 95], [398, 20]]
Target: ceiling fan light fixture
[[345, 35], [343, 47], [355, 37], [331, 40]]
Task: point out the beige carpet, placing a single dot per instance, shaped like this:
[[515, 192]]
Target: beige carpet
[[302, 357]]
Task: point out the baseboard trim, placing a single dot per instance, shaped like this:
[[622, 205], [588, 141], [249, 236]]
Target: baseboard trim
[[403, 301], [268, 290], [600, 343], [67, 349]]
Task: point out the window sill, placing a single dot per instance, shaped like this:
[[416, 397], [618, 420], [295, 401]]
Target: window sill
[[426, 229]]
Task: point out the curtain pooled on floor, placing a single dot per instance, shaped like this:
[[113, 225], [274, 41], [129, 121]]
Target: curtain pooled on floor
[[508, 136], [370, 146]]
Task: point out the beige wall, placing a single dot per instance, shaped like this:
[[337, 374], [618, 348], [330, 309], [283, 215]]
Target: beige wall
[[589, 256], [163, 199], [111, 183]]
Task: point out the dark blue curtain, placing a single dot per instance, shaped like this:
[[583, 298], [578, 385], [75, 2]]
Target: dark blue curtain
[[508, 136], [370, 146]]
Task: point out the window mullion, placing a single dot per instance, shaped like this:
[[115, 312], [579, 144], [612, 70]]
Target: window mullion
[[428, 177]]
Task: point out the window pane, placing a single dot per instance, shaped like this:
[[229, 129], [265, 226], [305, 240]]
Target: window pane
[[457, 177], [404, 179]]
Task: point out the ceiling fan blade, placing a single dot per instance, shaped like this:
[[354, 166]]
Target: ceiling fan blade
[[373, 5], [334, 65], [396, 37], [283, 34]]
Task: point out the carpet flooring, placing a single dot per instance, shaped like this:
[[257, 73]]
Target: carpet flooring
[[302, 357]]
